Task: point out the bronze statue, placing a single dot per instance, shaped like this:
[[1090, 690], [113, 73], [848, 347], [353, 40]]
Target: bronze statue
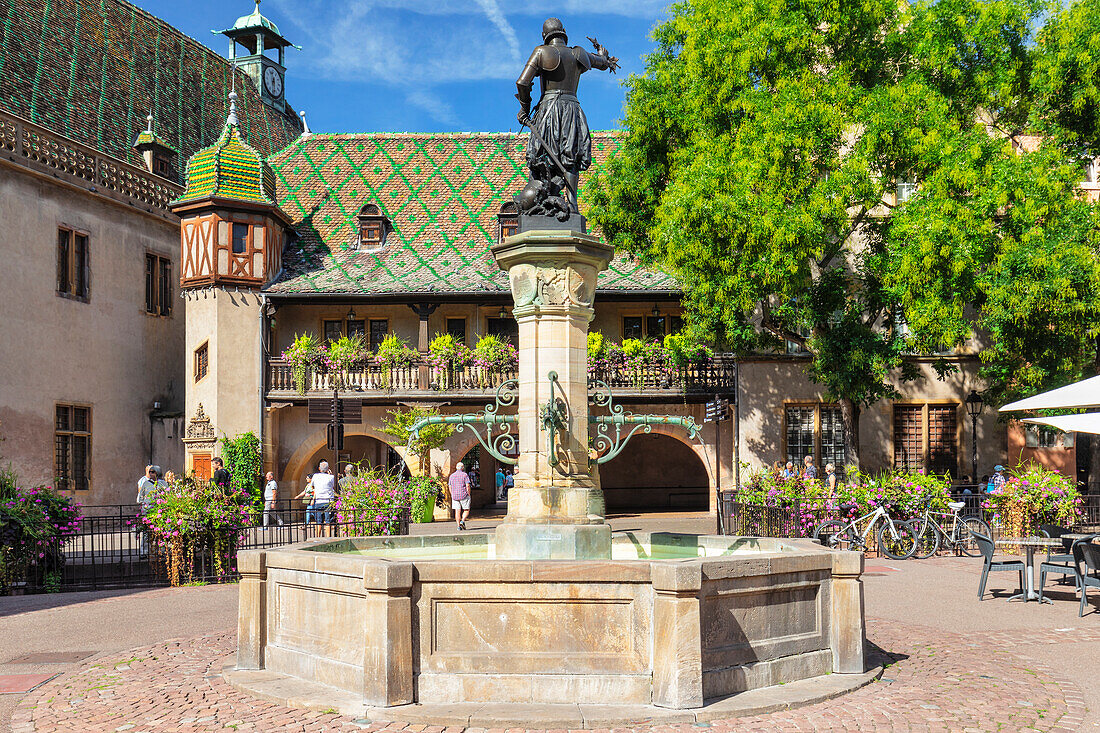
[[559, 147]]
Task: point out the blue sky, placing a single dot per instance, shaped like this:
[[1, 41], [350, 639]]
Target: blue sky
[[427, 65]]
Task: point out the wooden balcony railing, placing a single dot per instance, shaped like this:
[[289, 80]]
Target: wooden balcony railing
[[35, 147], [717, 374]]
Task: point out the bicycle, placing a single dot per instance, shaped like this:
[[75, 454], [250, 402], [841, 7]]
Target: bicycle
[[959, 536], [899, 543]]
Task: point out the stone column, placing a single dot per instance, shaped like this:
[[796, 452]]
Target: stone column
[[677, 635], [847, 633], [387, 652], [252, 619], [556, 509]]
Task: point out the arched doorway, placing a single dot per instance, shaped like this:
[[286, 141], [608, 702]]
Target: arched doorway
[[367, 452], [655, 473]]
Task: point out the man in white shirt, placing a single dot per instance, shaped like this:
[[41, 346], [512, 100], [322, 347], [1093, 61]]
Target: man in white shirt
[[324, 491], [271, 496]]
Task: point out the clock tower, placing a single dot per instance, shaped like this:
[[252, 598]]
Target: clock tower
[[254, 38]]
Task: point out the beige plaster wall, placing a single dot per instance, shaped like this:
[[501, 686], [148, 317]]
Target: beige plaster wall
[[106, 353], [766, 386], [228, 320]]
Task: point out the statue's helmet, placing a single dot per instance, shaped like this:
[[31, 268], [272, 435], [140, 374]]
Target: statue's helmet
[[553, 27]]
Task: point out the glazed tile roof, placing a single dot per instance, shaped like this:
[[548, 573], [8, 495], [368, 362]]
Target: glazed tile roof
[[229, 169], [93, 69], [441, 192]]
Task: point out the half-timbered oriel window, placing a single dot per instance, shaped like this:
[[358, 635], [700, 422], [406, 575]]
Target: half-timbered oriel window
[[240, 238], [158, 285], [72, 263]]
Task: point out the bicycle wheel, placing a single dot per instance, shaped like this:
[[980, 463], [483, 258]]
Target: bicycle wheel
[[928, 539], [901, 547], [835, 534], [964, 535]]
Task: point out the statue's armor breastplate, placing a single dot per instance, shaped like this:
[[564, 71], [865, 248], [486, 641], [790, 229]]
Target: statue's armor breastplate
[[560, 70]]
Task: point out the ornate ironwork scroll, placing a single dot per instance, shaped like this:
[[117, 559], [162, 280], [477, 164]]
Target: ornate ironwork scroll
[[503, 441], [552, 417], [610, 433]]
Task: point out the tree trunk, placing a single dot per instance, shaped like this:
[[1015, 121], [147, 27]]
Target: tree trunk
[[849, 415]]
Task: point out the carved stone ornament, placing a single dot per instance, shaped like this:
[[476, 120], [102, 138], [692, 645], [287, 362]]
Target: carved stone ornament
[[200, 433], [547, 284]]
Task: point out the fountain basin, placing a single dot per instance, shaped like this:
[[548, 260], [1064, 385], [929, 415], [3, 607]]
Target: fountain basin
[[670, 620]]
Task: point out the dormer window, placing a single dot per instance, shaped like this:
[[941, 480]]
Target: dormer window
[[161, 166], [508, 220], [373, 228]]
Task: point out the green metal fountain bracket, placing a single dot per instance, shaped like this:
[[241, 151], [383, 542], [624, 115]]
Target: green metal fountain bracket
[[552, 417], [608, 430], [496, 445]]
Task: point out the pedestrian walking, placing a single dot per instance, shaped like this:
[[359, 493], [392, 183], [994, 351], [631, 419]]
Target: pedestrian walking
[[809, 470], [500, 483], [459, 484], [347, 478], [148, 489], [220, 478], [788, 471], [997, 481], [509, 482], [323, 484], [830, 478], [271, 499]]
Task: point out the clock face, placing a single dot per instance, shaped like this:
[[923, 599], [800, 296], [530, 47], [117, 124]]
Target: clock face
[[273, 82]]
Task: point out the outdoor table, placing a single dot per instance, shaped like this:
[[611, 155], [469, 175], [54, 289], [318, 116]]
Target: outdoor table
[[1030, 544]]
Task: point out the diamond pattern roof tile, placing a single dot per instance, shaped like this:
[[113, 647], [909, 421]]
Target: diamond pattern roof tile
[[441, 192]]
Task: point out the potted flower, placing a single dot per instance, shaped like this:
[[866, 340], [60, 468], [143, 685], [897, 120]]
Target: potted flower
[[345, 352], [493, 355], [302, 355], [1033, 495], [393, 353], [447, 355]]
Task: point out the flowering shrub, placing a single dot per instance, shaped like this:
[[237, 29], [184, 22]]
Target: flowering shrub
[[372, 503], [303, 354], [903, 494], [637, 358], [1033, 495], [495, 355], [191, 517], [446, 354], [34, 524], [343, 353]]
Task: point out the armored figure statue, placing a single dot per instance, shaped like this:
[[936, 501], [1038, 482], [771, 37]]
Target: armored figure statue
[[559, 147]]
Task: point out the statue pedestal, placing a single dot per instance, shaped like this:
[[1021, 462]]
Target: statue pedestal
[[556, 508]]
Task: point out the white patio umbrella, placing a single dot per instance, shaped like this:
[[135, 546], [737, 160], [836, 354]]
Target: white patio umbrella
[[1087, 423], [1085, 393]]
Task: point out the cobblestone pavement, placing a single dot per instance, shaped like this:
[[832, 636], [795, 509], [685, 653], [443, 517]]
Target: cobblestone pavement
[[934, 681]]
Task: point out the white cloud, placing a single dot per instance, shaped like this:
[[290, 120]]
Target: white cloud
[[440, 111], [425, 42]]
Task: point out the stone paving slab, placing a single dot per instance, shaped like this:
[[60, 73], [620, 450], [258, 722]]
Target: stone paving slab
[[933, 680], [298, 693], [22, 683]]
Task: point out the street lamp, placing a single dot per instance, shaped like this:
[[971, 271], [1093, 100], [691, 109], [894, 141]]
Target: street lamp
[[974, 404]]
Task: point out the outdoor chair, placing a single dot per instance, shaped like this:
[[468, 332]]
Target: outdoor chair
[[985, 544], [1062, 563], [1090, 560]]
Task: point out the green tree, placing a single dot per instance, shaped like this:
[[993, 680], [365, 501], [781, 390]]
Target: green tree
[[244, 462], [399, 423], [765, 144]]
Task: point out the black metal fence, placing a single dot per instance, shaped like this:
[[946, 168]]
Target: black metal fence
[[112, 549]]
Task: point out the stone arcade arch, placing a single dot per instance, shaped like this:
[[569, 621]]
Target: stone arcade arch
[[303, 460], [658, 471]]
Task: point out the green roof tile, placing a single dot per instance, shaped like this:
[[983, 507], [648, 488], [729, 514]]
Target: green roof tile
[[442, 194]]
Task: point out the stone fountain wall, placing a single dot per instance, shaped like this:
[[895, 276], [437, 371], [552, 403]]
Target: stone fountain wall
[[664, 632]]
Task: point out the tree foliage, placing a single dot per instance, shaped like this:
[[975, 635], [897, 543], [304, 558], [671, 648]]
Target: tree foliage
[[399, 424], [765, 144]]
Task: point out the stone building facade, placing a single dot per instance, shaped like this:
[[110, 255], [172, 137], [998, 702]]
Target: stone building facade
[[101, 105]]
